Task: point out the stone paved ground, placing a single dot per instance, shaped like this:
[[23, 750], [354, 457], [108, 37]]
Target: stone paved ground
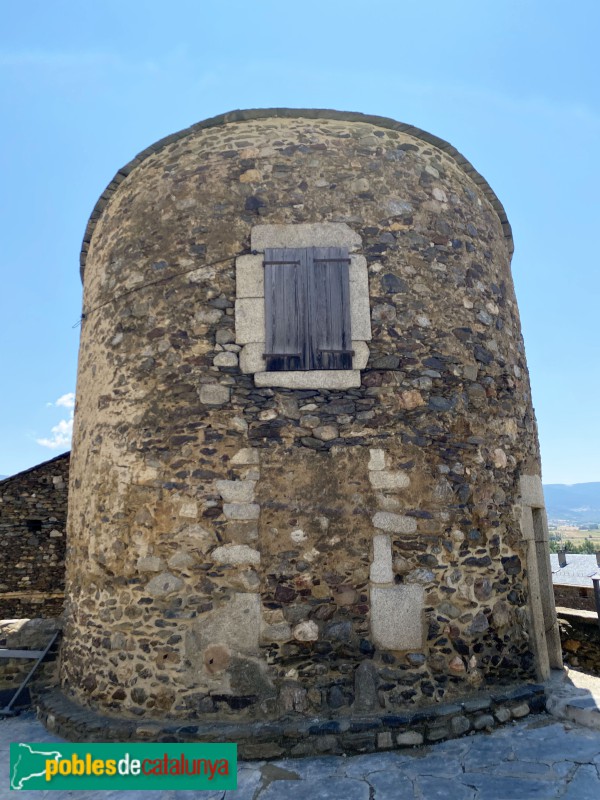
[[539, 757]]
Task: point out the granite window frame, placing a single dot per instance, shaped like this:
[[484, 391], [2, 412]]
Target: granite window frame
[[250, 325]]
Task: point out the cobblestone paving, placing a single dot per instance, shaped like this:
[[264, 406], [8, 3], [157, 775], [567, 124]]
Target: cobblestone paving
[[537, 758]]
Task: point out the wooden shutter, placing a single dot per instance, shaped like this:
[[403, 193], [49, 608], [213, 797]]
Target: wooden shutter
[[330, 341], [285, 310], [307, 309]]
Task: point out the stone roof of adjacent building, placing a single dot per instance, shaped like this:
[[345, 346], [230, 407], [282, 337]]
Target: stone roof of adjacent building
[[579, 571], [36, 467], [294, 113]]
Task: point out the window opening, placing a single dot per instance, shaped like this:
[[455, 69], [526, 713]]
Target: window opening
[[307, 309]]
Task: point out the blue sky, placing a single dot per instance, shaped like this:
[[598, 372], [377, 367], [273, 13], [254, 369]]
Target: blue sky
[[513, 85]]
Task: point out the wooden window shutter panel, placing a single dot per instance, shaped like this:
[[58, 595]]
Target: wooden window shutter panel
[[285, 310], [328, 302]]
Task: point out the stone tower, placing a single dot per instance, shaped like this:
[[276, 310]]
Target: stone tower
[[305, 478]]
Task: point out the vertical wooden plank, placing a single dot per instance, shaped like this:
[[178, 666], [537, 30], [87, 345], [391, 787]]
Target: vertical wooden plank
[[306, 300], [291, 311], [325, 330], [283, 310], [335, 308], [329, 308], [346, 360], [312, 309], [328, 325], [317, 304], [279, 338]]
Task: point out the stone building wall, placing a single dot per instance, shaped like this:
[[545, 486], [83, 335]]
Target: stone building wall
[[29, 634], [580, 597], [243, 551], [33, 515], [580, 639]]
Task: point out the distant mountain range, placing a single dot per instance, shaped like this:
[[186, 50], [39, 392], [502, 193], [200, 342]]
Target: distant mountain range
[[578, 503]]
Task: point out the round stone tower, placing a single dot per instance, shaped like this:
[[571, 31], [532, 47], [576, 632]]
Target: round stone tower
[[305, 478]]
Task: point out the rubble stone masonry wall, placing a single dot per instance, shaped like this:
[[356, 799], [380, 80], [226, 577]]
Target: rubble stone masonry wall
[[580, 639], [246, 552], [33, 515]]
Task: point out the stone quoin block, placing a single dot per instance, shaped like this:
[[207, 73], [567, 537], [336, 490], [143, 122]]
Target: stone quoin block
[[235, 623], [532, 491], [235, 554], [325, 234], [381, 566], [361, 355], [325, 379], [397, 617], [236, 491], [381, 479], [249, 276], [251, 357], [360, 312], [376, 460], [247, 455], [241, 510], [394, 523], [249, 320]]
